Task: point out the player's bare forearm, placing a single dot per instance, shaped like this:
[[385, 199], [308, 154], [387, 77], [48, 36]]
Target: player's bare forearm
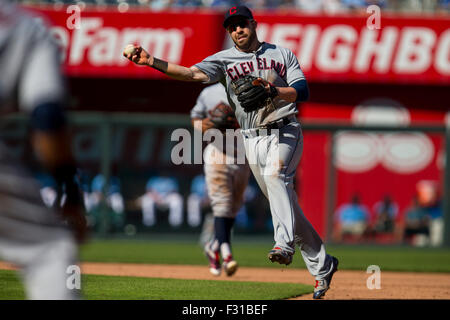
[[176, 71], [287, 94], [141, 57], [185, 74]]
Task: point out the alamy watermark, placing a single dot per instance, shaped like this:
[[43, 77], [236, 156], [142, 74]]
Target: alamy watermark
[[73, 281], [74, 20], [374, 281], [374, 20], [227, 147]]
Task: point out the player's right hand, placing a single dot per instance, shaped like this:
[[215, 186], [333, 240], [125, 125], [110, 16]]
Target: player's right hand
[[139, 56]]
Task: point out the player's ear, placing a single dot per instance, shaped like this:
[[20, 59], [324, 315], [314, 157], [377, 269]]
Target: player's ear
[[254, 23]]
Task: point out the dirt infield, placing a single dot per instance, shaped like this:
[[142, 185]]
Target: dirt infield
[[346, 284]]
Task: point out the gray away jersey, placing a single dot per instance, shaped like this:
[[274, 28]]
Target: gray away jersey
[[29, 63], [270, 62]]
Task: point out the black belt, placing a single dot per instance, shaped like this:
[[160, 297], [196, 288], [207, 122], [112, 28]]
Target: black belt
[[267, 129]]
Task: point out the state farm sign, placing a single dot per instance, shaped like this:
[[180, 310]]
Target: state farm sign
[[99, 45], [341, 48], [94, 46], [103, 45], [338, 48]]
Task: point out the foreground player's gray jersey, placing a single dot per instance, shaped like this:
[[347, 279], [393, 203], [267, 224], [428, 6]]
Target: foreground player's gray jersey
[[208, 99], [32, 236], [29, 66], [270, 62], [26, 56]]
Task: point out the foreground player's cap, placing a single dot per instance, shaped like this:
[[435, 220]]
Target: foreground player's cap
[[241, 11]]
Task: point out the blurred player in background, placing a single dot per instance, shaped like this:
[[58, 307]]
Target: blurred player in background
[[33, 236], [225, 183]]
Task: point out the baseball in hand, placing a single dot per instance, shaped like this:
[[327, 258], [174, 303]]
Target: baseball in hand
[[129, 49]]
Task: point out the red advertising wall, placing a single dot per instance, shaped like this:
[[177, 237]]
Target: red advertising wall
[[312, 180], [371, 164], [329, 48], [93, 46], [343, 49]]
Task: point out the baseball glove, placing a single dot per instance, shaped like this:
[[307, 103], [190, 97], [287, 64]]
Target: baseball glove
[[223, 117], [251, 93]]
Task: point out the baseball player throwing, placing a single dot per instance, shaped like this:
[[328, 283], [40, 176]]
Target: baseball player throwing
[[33, 236], [263, 83], [225, 180]]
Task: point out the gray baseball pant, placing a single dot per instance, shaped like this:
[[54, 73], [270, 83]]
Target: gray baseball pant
[[273, 159]]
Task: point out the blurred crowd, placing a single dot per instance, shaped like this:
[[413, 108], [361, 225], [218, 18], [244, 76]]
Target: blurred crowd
[[421, 224], [310, 6], [163, 203]]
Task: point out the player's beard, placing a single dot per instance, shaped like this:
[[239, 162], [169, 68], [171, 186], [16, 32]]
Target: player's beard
[[251, 38]]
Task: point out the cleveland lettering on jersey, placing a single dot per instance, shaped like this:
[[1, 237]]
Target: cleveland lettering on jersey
[[241, 69]]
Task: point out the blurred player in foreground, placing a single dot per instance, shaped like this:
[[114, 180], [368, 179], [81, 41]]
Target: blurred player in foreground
[[32, 236], [225, 180]]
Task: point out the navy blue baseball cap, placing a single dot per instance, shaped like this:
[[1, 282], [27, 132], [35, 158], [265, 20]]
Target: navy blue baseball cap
[[241, 11]]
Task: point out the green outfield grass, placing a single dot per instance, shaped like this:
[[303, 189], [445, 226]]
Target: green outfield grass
[[251, 253], [134, 288], [10, 287]]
